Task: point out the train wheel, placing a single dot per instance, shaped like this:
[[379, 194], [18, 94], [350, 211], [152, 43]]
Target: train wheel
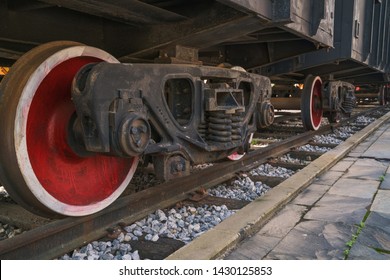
[[311, 103], [382, 95], [37, 166]]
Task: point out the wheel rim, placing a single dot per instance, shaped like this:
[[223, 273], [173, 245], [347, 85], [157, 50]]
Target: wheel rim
[[311, 103], [382, 99], [61, 181], [316, 103]]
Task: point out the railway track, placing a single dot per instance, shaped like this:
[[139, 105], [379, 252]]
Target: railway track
[[48, 239]]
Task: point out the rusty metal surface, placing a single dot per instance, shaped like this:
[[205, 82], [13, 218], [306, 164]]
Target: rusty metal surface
[[286, 103], [361, 48], [196, 114], [213, 27], [310, 19], [121, 10]]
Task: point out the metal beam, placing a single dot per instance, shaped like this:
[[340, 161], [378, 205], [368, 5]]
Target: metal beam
[[26, 5], [272, 10], [13, 49], [128, 11], [211, 25], [10, 54]]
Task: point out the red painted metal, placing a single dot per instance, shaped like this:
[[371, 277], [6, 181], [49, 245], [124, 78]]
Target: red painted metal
[[316, 104], [311, 103], [71, 179]]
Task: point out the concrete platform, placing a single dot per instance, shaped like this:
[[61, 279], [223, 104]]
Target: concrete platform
[[326, 211], [346, 212]]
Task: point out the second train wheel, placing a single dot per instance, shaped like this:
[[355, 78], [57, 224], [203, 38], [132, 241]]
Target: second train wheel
[[38, 168], [382, 95], [311, 103]]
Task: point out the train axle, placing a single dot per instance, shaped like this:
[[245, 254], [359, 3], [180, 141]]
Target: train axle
[[76, 122], [331, 99]]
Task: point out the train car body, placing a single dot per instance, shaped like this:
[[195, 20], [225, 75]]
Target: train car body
[[361, 48], [94, 86], [141, 31], [360, 53]]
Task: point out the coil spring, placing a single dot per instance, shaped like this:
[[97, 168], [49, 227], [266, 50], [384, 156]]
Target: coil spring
[[237, 120], [219, 127], [349, 103], [202, 130]]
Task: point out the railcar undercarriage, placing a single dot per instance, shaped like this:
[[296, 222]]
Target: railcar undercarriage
[[77, 123]]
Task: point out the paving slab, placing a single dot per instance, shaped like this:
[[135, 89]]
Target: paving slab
[[284, 221], [359, 150], [371, 162], [380, 148], [344, 164], [337, 208], [355, 188], [375, 238], [379, 220], [329, 178], [366, 169], [313, 240], [356, 154], [385, 184], [369, 141], [310, 195], [381, 202], [254, 248], [362, 252]]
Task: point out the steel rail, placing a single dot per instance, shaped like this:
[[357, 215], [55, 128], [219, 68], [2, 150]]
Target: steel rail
[[62, 236]]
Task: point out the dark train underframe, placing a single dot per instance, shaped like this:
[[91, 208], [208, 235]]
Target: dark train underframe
[[142, 31], [180, 115], [94, 86]]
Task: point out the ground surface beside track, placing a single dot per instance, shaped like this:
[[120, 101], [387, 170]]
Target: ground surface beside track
[[341, 211]]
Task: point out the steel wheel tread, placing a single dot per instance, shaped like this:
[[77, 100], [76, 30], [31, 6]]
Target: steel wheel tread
[[311, 103], [13, 172]]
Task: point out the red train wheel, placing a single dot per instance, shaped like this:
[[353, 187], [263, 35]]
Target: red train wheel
[[382, 98], [37, 166], [311, 103]]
